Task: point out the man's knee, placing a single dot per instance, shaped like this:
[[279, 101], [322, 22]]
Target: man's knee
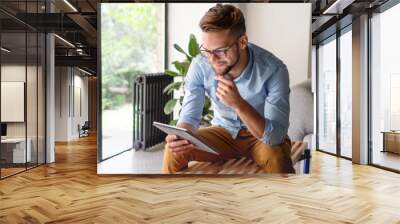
[[270, 157], [273, 160]]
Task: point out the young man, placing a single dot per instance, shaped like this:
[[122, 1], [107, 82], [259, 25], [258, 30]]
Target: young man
[[249, 89]]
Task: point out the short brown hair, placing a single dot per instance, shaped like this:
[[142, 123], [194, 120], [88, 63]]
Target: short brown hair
[[223, 17]]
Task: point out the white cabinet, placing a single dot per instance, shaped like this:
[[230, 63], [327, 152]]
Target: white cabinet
[[17, 147]]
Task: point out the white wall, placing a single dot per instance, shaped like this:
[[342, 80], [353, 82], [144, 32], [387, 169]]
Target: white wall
[[282, 28], [285, 30], [81, 84], [61, 103], [69, 85], [181, 25]]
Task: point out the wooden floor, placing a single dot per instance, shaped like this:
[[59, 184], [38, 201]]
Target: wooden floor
[[387, 159], [10, 171], [70, 191]]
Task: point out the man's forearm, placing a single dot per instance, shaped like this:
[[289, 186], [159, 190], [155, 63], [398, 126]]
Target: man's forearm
[[186, 126], [251, 118]]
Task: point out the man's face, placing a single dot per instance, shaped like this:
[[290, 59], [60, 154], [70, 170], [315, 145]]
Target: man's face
[[225, 47]]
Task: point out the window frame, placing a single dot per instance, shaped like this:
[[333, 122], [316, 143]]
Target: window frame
[[333, 37]]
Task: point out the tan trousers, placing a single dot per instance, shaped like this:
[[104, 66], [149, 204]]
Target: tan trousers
[[273, 159]]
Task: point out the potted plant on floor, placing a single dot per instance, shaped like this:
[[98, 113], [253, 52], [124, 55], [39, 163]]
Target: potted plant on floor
[[179, 75]]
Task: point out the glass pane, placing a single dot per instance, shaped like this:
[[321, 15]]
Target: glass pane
[[386, 89], [13, 87], [346, 94], [41, 98], [139, 49], [327, 96], [31, 98]]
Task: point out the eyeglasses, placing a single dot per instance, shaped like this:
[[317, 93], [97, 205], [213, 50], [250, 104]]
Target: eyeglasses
[[220, 52]]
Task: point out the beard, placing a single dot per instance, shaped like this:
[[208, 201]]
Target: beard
[[223, 67]]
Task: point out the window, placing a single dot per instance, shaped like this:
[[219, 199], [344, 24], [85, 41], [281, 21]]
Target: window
[[132, 43], [346, 93], [327, 96], [335, 74], [385, 88], [394, 101]]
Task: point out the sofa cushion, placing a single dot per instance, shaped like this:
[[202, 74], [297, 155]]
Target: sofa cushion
[[301, 111]]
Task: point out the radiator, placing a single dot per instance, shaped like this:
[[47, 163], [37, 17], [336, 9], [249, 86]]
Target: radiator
[[148, 106]]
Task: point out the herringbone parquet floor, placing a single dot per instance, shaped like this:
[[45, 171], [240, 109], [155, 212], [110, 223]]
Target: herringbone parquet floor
[[70, 191]]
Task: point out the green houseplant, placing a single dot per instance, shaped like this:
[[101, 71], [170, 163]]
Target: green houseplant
[[179, 75]]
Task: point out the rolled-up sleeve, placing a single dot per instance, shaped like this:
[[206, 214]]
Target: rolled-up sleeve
[[193, 101], [276, 108]]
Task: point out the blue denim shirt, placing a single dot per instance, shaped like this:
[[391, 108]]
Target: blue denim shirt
[[264, 84]]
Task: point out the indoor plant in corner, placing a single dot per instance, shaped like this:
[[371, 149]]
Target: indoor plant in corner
[[179, 75]]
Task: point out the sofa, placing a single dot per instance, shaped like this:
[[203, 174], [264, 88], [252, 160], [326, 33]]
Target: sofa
[[301, 113]]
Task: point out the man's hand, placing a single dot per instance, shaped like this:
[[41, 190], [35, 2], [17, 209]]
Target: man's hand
[[228, 93], [178, 145]]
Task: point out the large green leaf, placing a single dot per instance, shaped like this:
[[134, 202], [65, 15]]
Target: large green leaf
[[186, 65], [181, 67], [178, 66], [172, 73], [169, 107], [172, 86], [194, 48], [178, 48]]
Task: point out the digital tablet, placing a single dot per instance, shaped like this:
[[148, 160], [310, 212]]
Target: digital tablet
[[185, 134]]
